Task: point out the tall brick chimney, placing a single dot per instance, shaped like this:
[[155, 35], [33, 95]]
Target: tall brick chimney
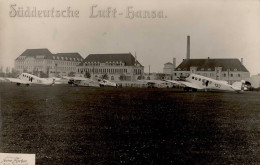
[[188, 47], [174, 63]]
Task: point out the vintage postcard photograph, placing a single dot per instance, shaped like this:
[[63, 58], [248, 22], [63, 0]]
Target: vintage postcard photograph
[[129, 82]]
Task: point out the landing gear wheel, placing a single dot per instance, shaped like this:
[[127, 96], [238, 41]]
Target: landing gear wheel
[[186, 89]]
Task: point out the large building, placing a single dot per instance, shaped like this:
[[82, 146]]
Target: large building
[[116, 67], [42, 61], [229, 70]]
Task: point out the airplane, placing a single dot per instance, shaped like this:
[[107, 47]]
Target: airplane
[[196, 82], [106, 83], [28, 79], [81, 81], [157, 84]]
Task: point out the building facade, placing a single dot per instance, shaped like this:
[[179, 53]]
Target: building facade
[[230, 70], [42, 61], [168, 69], [115, 67], [254, 80]]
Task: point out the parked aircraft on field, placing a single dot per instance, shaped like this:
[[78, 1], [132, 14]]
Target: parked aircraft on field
[[106, 83], [82, 81], [194, 82], [27, 79], [157, 84]]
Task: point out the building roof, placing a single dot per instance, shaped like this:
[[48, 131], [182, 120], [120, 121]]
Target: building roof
[[126, 58], [48, 55], [168, 63], [68, 55], [210, 64], [34, 52]]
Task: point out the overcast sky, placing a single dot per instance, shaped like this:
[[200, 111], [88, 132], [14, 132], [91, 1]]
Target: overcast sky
[[218, 29]]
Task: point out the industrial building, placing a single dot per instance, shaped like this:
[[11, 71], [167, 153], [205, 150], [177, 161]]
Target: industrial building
[[229, 70], [116, 67], [42, 61]]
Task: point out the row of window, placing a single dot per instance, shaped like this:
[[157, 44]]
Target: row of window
[[202, 69], [106, 64], [67, 58], [50, 67], [49, 62], [65, 63], [210, 74], [64, 68], [30, 62], [199, 79], [138, 71], [96, 70], [28, 67], [55, 58]]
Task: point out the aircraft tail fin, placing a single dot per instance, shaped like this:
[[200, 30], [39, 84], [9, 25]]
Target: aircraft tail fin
[[238, 85]]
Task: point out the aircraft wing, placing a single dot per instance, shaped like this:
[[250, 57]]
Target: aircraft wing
[[173, 81], [224, 82], [17, 80], [77, 78], [191, 85]]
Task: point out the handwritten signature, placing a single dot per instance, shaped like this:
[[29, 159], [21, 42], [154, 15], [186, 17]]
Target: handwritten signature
[[9, 160]]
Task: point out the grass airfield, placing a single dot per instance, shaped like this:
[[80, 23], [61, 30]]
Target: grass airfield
[[77, 125]]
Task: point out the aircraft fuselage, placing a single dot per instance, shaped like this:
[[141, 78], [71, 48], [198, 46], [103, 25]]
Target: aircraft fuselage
[[31, 79], [208, 83]]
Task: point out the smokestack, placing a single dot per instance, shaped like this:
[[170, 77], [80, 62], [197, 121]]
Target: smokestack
[[174, 63], [242, 61], [135, 58], [188, 47]]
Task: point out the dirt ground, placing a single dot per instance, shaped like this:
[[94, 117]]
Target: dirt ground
[[77, 125]]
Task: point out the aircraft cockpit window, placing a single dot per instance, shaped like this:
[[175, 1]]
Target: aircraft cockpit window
[[199, 79]]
